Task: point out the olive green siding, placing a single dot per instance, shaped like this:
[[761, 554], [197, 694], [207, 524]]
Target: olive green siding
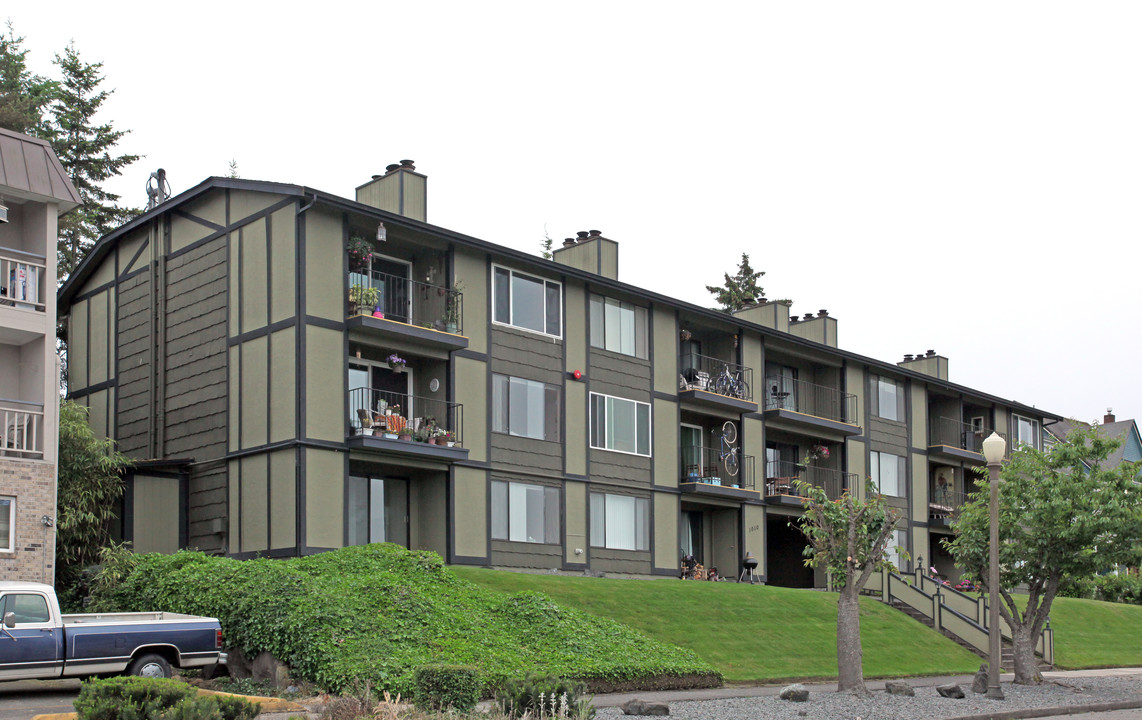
[[575, 427], [325, 384], [244, 203], [156, 502], [528, 356], [857, 384], [664, 334], [471, 392], [253, 392], [98, 328], [753, 517], [324, 498], [575, 521], [184, 232], [473, 271], [283, 385], [253, 274], [253, 479], [918, 395], [469, 519], [283, 499], [622, 562], [575, 326], [429, 502], [212, 208], [102, 275], [666, 513], [77, 346], [134, 373], [283, 264], [324, 273], [666, 456]]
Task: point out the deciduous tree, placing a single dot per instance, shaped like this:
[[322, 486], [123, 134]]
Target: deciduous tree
[[1061, 512], [739, 290], [847, 537]]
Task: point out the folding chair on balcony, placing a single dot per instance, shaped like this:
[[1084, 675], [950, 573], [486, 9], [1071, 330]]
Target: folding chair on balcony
[[364, 418], [15, 438]]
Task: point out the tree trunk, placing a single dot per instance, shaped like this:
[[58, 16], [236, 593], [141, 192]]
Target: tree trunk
[[850, 673], [1026, 666]]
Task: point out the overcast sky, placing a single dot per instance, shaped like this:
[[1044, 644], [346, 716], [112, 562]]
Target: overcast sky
[[957, 176]]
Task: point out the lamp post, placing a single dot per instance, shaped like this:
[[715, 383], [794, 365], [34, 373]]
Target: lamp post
[[993, 450]]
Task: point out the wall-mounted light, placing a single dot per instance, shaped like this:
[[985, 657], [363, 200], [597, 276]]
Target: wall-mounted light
[[382, 233]]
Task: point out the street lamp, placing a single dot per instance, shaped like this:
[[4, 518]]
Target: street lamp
[[993, 449]]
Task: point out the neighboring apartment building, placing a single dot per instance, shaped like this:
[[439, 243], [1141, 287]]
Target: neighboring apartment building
[[211, 338], [34, 192]]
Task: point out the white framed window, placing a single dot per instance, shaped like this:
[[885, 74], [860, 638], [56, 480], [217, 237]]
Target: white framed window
[[888, 473], [522, 512], [620, 522], [618, 326], [886, 397], [897, 543], [527, 302], [7, 524], [1026, 431], [525, 408], [620, 425]]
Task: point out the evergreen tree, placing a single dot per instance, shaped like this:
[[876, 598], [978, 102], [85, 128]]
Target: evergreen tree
[[545, 246], [233, 172], [23, 96], [740, 290], [83, 150]]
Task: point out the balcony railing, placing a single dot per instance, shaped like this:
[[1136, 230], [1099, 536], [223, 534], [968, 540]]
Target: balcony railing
[[700, 372], [21, 429], [705, 465], [783, 393], [943, 504], [22, 279], [390, 412], [410, 302], [953, 433], [780, 476]]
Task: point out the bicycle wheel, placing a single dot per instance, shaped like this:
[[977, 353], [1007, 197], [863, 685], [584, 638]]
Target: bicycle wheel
[[730, 433], [720, 385], [732, 463], [743, 390]]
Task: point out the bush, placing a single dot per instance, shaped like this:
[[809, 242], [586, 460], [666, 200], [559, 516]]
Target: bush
[[544, 696], [1111, 588], [137, 698], [441, 687]]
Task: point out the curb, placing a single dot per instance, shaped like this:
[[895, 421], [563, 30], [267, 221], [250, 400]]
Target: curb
[[1053, 711]]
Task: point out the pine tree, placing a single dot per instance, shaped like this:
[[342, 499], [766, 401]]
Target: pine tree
[[23, 96], [545, 246], [740, 290], [82, 148]]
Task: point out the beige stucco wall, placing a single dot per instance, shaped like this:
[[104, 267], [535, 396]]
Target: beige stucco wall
[[470, 528]]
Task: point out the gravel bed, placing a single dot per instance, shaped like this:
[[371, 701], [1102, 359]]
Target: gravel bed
[[926, 704]]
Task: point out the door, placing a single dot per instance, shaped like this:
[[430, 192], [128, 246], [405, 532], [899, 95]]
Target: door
[[691, 436], [391, 279], [692, 534], [378, 510], [33, 648]]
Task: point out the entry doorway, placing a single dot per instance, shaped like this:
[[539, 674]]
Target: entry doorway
[[370, 383], [784, 557], [378, 510]]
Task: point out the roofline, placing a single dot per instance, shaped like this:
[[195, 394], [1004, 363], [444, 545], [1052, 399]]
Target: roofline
[[70, 287]]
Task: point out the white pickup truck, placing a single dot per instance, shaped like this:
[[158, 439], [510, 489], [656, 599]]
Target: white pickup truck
[[37, 641]]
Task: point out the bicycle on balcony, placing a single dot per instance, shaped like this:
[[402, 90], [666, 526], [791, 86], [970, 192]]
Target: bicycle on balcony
[[730, 384], [728, 455]]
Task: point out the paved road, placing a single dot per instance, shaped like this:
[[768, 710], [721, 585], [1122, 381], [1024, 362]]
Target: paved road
[[22, 699]]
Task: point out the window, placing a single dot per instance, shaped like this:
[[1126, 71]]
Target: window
[[28, 608], [527, 302], [618, 326], [619, 424], [525, 408], [620, 522], [7, 524], [378, 511], [525, 513], [1026, 431], [889, 474], [897, 542], [692, 465], [886, 397]]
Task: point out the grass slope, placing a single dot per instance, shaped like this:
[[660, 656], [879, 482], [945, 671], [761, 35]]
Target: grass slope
[[1092, 633], [377, 612], [750, 633]]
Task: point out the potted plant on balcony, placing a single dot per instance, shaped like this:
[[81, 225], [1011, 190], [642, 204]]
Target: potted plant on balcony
[[449, 439], [362, 296], [360, 250], [396, 362]]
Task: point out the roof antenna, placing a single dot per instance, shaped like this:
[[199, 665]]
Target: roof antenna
[[158, 189]]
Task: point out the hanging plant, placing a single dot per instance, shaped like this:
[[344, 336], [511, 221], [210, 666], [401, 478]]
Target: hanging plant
[[360, 250]]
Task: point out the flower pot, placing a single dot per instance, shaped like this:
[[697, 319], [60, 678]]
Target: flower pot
[[366, 431], [451, 328], [405, 437], [431, 441], [378, 314], [390, 436], [450, 443]]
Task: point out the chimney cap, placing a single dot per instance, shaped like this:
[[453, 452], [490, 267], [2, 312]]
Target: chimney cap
[[907, 357], [582, 233], [930, 353], [391, 168], [377, 177], [808, 316], [568, 242], [407, 164], [822, 313], [1109, 417], [596, 233]]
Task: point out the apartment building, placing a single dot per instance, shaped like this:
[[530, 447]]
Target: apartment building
[[34, 193], [242, 343]]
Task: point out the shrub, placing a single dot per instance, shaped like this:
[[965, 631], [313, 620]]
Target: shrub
[[136, 698], [544, 696], [1111, 588], [440, 687]]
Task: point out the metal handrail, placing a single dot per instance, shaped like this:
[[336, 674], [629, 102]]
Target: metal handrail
[[21, 430], [414, 303], [722, 377], [394, 412], [22, 280], [783, 393], [780, 474], [703, 464]]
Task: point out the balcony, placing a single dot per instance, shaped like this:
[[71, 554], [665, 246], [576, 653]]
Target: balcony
[[704, 472], [780, 487], [715, 384], [807, 408], [419, 317], [378, 420], [950, 439], [22, 428], [22, 280], [943, 507]]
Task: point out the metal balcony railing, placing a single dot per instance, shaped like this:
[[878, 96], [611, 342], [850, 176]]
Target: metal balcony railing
[[783, 393], [408, 301], [22, 277], [700, 372], [943, 504], [780, 474], [953, 433], [382, 412], [706, 465], [21, 429]]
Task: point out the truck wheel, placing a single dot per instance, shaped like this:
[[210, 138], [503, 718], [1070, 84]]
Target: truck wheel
[[151, 666]]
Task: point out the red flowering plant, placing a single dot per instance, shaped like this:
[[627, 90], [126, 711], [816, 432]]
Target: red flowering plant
[[360, 250], [818, 452]]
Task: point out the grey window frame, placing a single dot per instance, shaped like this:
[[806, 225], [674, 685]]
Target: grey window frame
[[552, 424], [1036, 430], [550, 315], [597, 427], [599, 515], [876, 458], [875, 408], [501, 512], [601, 329], [10, 538]]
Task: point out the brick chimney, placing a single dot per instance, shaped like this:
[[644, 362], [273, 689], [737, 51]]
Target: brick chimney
[[1108, 417], [400, 190]]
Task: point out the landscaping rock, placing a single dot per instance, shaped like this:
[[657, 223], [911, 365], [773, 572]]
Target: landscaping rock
[[951, 690], [979, 684], [237, 664], [642, 707], [268, 669], [794, 693], [899, 688]]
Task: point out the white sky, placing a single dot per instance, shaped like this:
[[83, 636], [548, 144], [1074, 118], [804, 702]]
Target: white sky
[[870, 157]]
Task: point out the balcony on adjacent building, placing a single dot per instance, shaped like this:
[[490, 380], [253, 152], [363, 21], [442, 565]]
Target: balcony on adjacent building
[[943, 506], [714, 472], [404, 313], [22, 280], [805, 407], [781, 476], [401, 424], [951, 439], [715, 384], [22, 428]]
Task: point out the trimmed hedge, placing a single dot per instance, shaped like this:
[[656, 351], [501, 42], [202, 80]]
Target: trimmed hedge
[[446, 687], [376, 612], [137, 698]]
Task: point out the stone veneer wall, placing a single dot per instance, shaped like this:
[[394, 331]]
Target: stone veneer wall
[[32, 483]]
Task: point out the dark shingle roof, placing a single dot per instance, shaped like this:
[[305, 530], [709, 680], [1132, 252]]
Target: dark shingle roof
[[30, 170]]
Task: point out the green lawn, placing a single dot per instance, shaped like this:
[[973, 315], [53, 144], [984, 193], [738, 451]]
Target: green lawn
[[751, 633], [1091, 633]]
